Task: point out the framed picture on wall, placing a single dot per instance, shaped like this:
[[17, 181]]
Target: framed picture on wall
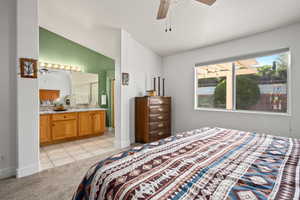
[[28, 68], [125, 78]]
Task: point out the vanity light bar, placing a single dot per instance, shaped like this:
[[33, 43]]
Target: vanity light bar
[[59, 66]]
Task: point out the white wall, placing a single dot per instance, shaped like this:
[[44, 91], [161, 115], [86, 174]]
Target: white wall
[[179, 73], [8, 84], [142, 64], [19, 138], [27, 90], [104, 40]]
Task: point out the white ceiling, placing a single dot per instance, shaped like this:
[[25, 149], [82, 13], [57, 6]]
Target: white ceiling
[[195, 25]]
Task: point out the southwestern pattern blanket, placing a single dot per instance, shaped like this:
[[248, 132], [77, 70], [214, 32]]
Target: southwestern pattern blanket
[[208, 163]]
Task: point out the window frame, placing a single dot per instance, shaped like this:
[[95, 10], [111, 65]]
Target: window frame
[[249, 56]]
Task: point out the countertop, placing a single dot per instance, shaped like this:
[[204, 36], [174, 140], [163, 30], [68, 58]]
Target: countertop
[[70, 110]]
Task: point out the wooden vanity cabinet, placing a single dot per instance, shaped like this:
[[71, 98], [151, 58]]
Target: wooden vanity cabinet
[[45, 132], [98, 122], [91, 123], [64, 126], [85, 123], [56, 128]]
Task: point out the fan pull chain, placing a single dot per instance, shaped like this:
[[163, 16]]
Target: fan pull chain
[[168, 24], [170, 19]]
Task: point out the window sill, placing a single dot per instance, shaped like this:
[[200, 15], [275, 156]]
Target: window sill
[[244, 112]]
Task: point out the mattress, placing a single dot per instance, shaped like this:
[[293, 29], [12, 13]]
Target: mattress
[[207, 163]]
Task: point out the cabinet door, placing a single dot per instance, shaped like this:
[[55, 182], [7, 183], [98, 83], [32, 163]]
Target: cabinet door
[[64, 129], [45, 135], [99, 122], [85, 123]]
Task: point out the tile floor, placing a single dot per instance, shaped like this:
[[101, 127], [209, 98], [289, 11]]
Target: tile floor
[[61, 154]]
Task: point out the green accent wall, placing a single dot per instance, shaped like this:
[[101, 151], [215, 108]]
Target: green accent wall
[[59, 50]]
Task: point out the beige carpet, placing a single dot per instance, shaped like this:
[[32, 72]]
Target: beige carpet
[[54, 184]]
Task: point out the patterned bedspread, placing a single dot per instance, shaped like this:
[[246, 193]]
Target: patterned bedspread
[[208, 163]]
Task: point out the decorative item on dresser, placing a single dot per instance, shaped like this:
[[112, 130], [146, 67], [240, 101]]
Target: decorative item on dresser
[[152, 118], [159, 85]]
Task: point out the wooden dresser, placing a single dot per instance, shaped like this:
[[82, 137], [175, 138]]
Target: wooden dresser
[[152, 118]]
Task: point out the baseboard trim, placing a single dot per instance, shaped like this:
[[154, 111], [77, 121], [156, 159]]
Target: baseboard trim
[[28, 170], [111, 129], [125, 143], [7, 172], [122, 143]]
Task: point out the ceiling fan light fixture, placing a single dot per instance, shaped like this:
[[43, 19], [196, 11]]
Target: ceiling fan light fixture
[[164, 9]]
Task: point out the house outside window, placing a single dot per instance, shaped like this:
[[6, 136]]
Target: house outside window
[[252, 83]]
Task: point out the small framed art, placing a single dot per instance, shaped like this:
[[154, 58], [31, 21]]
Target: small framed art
[[125, 78], [28, 68]]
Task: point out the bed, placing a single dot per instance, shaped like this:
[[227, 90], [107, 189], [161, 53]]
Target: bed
[[207, 163]]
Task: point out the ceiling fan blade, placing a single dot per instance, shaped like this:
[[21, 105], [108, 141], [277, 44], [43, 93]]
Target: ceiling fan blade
[[163, 9], [207, 2]]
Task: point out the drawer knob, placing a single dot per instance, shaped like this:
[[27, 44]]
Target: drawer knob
[[160, 125], [160, 109], [160, 117], [160, 133]]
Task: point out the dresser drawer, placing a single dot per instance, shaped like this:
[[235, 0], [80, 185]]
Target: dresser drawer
[[159, 125], [63, 116], [160, 132], [157, 135], [159, 101], [159, 109], [159, 117]]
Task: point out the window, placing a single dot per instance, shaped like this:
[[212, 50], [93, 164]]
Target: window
[[258, 83]]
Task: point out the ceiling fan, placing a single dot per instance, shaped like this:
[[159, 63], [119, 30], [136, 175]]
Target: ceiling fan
[[165, 5]]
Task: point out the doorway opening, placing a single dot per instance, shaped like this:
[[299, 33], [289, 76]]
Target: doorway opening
[[77, 95]]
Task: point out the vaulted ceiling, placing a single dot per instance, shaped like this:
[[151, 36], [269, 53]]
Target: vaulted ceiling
[[194, 24]]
